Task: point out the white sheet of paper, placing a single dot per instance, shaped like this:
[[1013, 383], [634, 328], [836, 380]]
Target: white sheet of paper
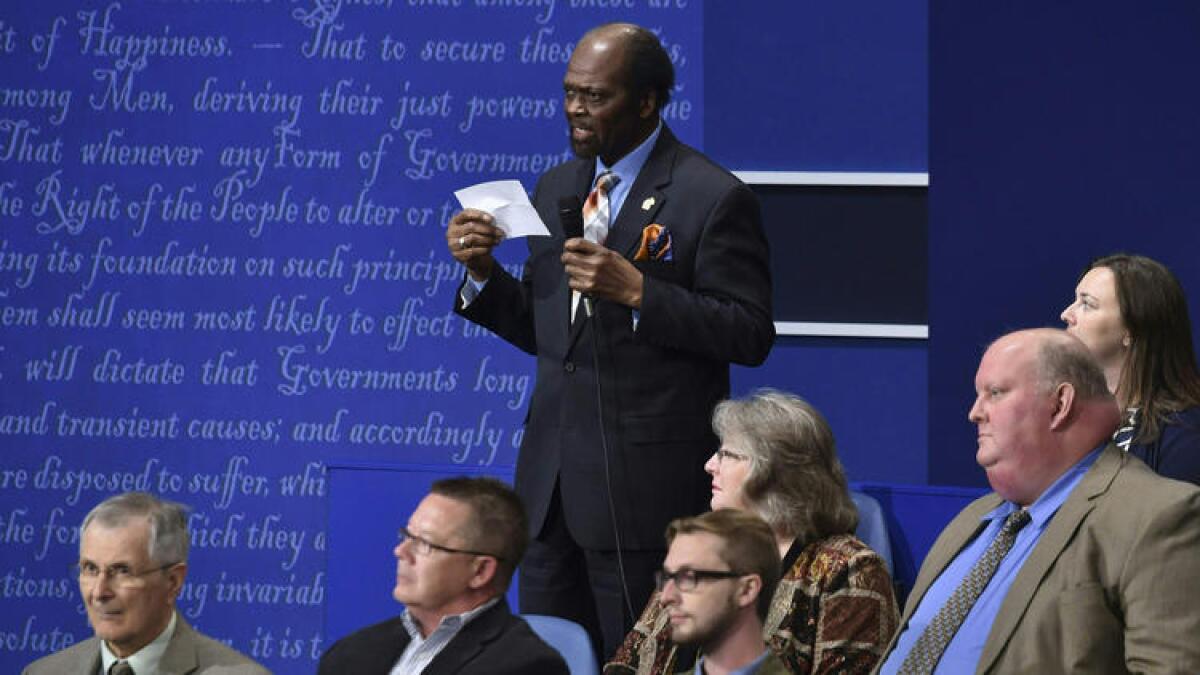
[[509, 205]]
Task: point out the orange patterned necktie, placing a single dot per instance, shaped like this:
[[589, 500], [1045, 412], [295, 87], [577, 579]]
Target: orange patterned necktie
[[595, 222], [595, 209]]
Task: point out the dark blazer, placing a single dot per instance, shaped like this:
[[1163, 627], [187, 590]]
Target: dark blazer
[[1176, 451], [708, 307], [1109, 588], [495, 643], [188, 653]]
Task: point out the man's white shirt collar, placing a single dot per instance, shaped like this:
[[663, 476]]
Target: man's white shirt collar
[[145, 660]]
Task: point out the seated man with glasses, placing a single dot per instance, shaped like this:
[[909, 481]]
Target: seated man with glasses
[[133, 551], [716, 586], [454, 562]]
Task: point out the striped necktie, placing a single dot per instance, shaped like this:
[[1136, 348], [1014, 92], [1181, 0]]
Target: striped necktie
[[928, 649], [595, 221], [121, 668], [595, 209]]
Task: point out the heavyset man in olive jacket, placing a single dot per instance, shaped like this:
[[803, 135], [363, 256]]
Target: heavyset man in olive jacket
[[1101, 573]]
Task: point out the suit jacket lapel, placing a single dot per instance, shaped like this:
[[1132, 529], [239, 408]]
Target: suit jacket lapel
[[89, 661], [470, 641], [180, 656], [646, 197], [581, 185], [1058, 535], [960, 532], [385, 652]]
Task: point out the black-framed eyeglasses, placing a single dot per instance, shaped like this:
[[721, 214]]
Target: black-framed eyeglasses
[[724, 455], [118, 574], [687, 579], [424, 547]]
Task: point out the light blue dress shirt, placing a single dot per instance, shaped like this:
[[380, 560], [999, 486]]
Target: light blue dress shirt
[[627, 169], [965, 648], [421, 650], [747, 669]]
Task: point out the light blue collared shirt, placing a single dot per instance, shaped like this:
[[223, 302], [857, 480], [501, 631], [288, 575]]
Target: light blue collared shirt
[[421, 650], [965, 648], [747, 669], [627, 169]]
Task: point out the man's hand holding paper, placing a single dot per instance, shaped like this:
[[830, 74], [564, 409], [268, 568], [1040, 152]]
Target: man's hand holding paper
[[491, 212]]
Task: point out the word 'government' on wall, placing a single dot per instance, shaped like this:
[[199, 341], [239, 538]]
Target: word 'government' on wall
[[223, 266]]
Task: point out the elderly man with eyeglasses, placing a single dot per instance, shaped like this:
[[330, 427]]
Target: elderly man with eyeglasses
[[454, 562], [716, 586], [133, 552]]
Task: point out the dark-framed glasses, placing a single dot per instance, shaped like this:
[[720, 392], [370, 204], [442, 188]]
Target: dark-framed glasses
[[119, 575], [687, 579], [424, 547]]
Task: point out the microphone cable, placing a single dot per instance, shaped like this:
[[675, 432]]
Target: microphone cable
[[612, 508], [570, 214]]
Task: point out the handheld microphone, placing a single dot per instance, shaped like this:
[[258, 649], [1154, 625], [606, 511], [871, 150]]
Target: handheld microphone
[[570, 215]]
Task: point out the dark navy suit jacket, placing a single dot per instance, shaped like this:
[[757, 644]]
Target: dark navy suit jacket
[[706, 308], [1176, 451], [494, 643]]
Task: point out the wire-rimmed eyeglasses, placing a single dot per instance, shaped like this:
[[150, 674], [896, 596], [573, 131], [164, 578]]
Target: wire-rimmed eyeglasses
[[424, 547], [724, 455], [118, 574]]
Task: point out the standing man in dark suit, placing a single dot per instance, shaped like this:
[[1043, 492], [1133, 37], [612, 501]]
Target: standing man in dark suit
[[133, 552], [454, 562], [618, 426]]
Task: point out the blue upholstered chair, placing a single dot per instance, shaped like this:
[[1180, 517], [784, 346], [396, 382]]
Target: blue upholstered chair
[[872, 528], [569, 638]]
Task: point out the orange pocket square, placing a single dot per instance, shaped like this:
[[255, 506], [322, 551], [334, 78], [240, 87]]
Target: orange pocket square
[[656, 244]]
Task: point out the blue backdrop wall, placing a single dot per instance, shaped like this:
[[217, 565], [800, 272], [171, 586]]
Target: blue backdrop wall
[[1060, 132], [222, 262], [830, 87]]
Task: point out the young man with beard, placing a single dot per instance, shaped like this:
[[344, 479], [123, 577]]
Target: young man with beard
[[716, 585]]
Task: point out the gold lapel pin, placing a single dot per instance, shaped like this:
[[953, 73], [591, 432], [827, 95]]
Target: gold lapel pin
[[648, 204]]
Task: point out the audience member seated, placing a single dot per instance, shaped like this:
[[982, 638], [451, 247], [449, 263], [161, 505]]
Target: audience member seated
[[133, 552], [1131, 313], [715, 587], [454, 562], [834, 608], [1083, 560]]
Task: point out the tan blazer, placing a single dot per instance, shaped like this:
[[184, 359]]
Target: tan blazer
[[188, 653], [1113, 585]]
